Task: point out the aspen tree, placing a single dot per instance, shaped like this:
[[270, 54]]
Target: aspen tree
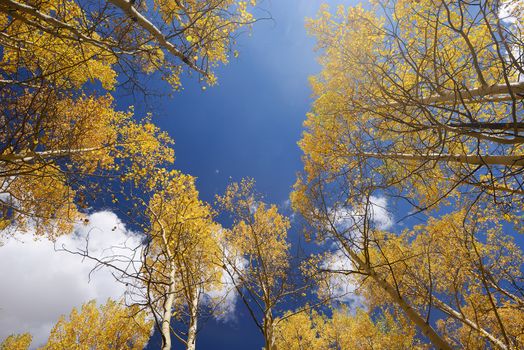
[[259, 258]]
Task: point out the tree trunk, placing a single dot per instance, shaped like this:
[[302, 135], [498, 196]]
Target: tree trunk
[[473, 325], [166, 316], [412, 314], [268, 331], [500, 92], [507, 160], [193, 319], [30, 156]]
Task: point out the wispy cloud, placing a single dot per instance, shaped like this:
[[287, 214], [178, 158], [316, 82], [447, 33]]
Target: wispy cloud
[[224, 296], [340, 284]]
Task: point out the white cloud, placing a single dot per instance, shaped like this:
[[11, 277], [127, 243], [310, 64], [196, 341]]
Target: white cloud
[[39, 284], [509, 11], [340, 286], [349, 219], [380, 214], [224, 297]]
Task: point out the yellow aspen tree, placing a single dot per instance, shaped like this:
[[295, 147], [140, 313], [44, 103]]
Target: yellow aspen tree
[[258, 255], [458, 277], [183, 257], [468, 269], [354, 241]]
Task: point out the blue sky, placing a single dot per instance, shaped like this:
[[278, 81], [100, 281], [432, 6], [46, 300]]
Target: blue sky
[[248, 125]]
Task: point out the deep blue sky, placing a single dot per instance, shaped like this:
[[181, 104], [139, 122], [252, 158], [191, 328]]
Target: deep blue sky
[[248, 125]]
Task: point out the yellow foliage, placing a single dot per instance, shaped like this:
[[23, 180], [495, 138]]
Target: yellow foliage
[[16, 342], [109, 326], [48, 171], [304, 330], [344, 331], [396, 92]]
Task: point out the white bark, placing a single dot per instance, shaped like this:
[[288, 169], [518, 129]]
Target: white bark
[[508, 160], [166, 316], [497, 93], [269, 331], [29, 156], [55, 23], [193, 321], [411, 313], [170, 297]]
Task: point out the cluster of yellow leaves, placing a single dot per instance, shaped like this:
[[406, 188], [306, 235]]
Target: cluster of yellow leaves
[[144, 146], [208, 27], [303, 330], [17, 342], [51, 54], [345, 330], [42, 202], [105, 327], [110, 326], [71, 139]]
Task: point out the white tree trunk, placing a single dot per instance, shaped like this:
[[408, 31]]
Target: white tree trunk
[[498, 93], [193, 320], [269, 331], [457, 315], [473, 159], [166, 316]]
